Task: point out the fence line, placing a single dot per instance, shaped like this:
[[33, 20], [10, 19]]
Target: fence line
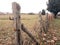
[[18, 27]]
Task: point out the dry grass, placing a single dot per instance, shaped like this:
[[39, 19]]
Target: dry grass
[[7, 29]]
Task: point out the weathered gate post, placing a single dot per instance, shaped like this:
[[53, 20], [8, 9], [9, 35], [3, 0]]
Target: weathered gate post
[[17, 23]]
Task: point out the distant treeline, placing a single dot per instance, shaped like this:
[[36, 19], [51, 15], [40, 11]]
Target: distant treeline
[[2, 13], [31, 13]]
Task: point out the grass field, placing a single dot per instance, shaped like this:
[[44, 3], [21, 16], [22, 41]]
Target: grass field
[[28, 20], [7, 27]]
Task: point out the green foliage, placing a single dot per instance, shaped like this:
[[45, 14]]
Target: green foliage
[[53, 6], [43, 12]]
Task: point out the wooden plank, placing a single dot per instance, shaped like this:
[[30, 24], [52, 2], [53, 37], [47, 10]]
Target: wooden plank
[[29, 34]]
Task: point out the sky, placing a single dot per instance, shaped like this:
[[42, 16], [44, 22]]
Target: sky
[[26, 5]]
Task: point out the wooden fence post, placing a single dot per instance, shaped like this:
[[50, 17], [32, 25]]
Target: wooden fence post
[[43, 28], [17, 23], [47, 23]]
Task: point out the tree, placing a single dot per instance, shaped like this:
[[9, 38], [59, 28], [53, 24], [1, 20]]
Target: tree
[[53, 6], [43, 12]]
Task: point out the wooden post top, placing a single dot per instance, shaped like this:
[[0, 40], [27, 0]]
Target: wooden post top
[[16, 7]]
